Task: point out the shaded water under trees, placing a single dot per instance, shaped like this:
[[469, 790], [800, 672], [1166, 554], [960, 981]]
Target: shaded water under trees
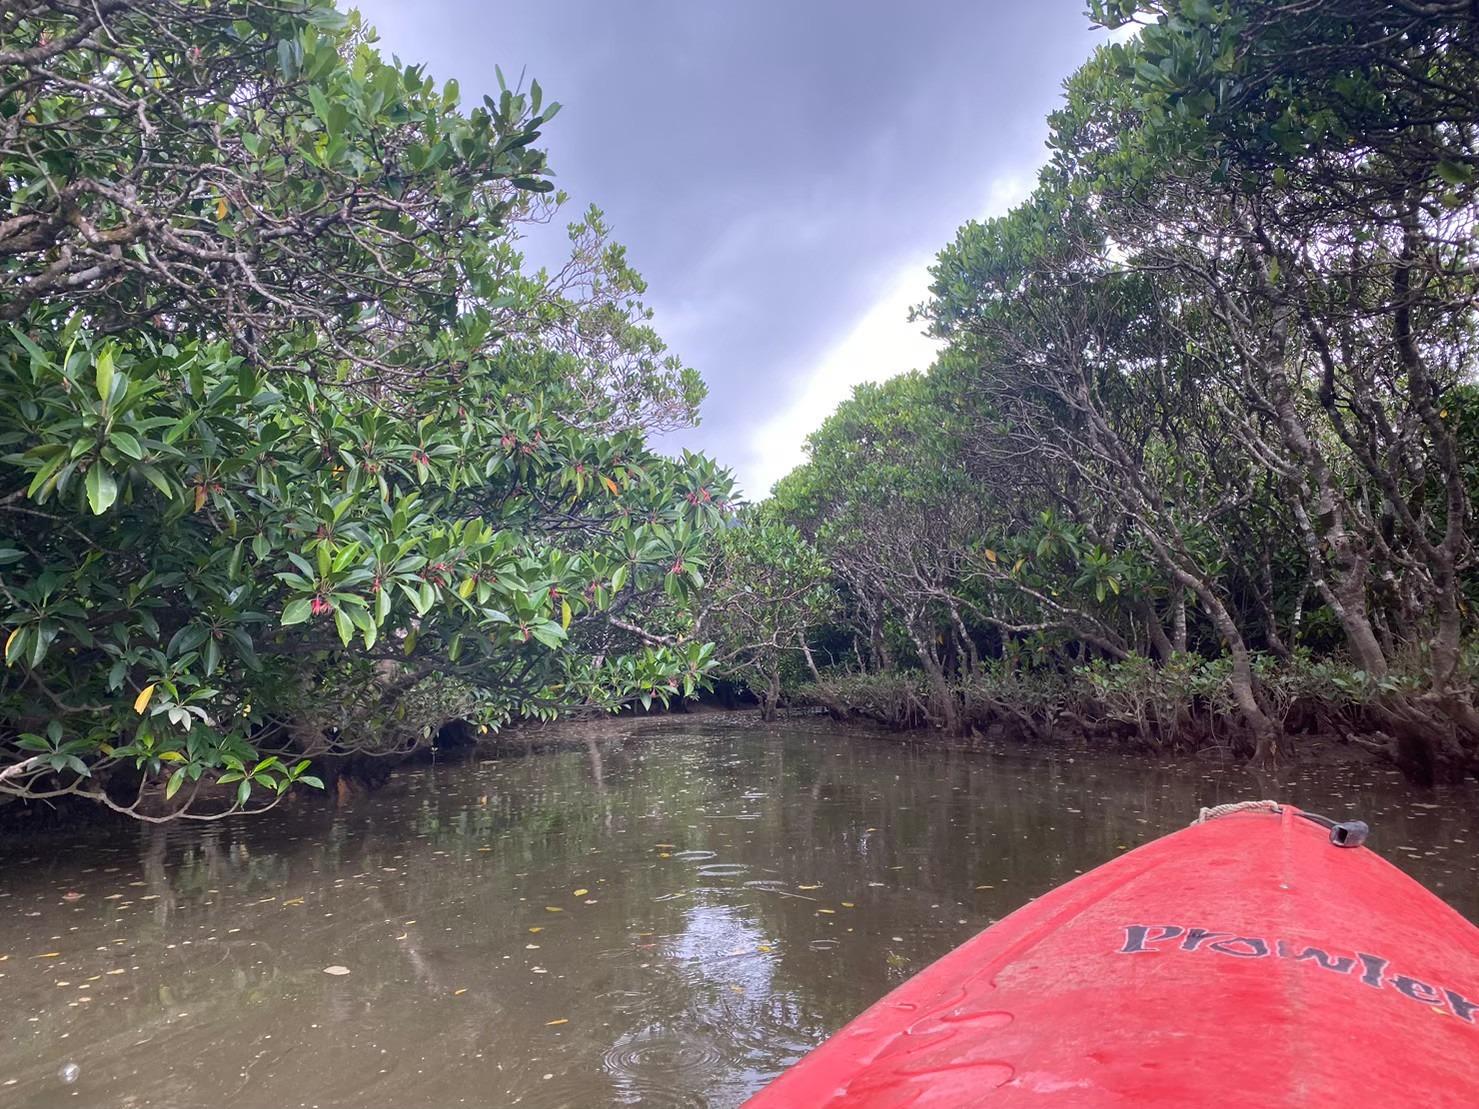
[[667, 917]]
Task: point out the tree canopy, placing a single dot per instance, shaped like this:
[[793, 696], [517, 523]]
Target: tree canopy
[[1205, 417], [301, 459]]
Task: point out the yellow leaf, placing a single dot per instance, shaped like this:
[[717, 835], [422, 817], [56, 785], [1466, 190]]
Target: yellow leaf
[[829, 912], [141, 702], [553, 909], [199, 497], [537, 928], [848, 905], [49, 955], [1017, 566], [11, 639], [581, 893], [552, 1023], [611, 485], [763, 948], [815, 887], [990, 555], [171, 756], [459, 993], [564, 614], [221, 208], [465, 589]]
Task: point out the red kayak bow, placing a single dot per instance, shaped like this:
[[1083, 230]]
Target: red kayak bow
[[1248, 960]]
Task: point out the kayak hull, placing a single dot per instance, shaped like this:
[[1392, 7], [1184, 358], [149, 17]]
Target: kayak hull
[[1245, 961]]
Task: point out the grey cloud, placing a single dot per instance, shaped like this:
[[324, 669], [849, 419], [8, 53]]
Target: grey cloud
[[770, 165]]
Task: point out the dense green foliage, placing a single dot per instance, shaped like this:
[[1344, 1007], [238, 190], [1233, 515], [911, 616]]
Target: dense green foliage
[[768, 589], [1199, 456], [298, 459]]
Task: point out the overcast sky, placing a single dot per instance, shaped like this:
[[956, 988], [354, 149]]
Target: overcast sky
[[781, 171]]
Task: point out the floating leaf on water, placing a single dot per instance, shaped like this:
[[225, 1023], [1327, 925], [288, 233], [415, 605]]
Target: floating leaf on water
[[552, 1023], [815, 887], [49, 955], [336, 970], [986, 887], [581, 893], [553, 909], [537, 928], [459, 993], [830, 912], [764, 948], [849, 905]]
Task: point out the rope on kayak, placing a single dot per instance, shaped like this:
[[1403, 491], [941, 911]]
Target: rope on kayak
[[1236, 806]]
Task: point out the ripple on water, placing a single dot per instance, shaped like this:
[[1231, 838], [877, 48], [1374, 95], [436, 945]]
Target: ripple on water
[[769, 1031], [656, 1068], [723, 870], [696, 856], [643, 991], [767, 884]]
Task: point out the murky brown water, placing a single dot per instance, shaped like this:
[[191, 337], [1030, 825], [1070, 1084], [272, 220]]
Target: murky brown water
[[666, 921]]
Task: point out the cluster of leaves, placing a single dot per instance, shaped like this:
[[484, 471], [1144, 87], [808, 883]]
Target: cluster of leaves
[[297, 459], [1206, 396], [769, 588]]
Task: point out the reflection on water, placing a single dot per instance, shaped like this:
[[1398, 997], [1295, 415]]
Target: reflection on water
[[667, 920]]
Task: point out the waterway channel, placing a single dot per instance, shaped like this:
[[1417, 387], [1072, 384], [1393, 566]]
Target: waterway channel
[[665, 917]]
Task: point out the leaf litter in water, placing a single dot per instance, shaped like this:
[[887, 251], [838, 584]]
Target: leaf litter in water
[[336, 970]]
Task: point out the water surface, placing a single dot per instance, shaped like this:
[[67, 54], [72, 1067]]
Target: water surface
[[667, 919]]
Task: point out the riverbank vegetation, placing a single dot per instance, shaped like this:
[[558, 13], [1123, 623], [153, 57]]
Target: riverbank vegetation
[[1197, 461], [303, 464], [302, 461]]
